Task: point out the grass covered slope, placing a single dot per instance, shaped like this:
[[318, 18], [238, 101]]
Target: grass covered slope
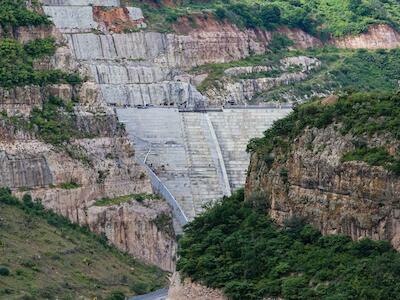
[[44, 256], [238, 249], [323, 18], [362, 115]]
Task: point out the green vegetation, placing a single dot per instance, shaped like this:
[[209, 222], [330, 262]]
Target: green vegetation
[[14, 13], [69, 185], [4, 271], [359, 70], [81, 263], [374, 157], [279, 42], [16, 64], [237, 248], [322, 18], [360, 114], [126, 198], [55, 122], [40, 48], [164, 223]]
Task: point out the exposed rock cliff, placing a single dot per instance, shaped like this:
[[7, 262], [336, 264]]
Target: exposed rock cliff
[[142, 229], [313, 179], [377, 37], [98, 162]]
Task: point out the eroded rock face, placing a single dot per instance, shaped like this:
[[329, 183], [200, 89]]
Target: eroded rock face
[[133, 226], [215, 42], [28, 33], [350, 198], [20, 100], [187, 289], [100, 165], [380, 36]]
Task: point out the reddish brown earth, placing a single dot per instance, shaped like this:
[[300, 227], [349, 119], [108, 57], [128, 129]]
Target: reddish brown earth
[[115, 19]]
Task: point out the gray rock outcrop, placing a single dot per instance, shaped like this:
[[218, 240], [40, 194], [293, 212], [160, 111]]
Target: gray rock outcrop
[[337, 197]]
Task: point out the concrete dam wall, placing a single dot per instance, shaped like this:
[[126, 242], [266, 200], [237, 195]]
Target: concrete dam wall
[[200, 157]]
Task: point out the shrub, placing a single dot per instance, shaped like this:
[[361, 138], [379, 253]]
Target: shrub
[[240, 250], [295, 287], [16, 64], [116, 295], [40, 47], [14, 13], [69, 185], [27, 200], [4, 271], [140, 288], [270, 15], [279, 42], [220, 13]]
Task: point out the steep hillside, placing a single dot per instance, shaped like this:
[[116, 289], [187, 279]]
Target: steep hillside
[[324, 19], [335, 163], [236, 248], [44, 256], [60, 142]]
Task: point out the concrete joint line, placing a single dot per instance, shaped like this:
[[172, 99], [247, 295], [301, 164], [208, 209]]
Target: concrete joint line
[[227, 187]]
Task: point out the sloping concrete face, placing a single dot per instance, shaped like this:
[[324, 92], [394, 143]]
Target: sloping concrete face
[[234, 128], [159, 139], [183, 151], [69, 18]]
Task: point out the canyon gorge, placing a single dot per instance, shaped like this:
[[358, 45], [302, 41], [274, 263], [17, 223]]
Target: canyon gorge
[[172, 113]]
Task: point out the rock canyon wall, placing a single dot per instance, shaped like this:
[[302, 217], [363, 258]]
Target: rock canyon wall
[[70, 177], [337, 197]]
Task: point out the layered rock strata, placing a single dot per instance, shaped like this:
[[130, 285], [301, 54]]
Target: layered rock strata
[[379, 36]]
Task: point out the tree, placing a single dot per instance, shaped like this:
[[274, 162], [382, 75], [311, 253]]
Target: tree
[[270, 15]]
